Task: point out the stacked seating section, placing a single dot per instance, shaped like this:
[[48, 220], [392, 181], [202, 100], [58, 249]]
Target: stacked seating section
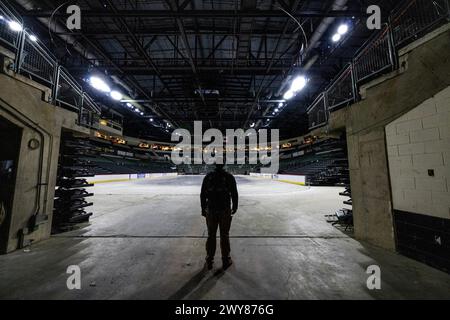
[[324, 163], [70, 196]]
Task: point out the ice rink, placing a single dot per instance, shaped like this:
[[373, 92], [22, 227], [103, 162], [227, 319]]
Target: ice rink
[[146, 241]]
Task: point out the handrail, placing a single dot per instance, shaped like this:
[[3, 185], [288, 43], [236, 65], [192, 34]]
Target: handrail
[[317, 112], [379, 54], [411, 19], [35, 61], [341, 90], [7, 36]]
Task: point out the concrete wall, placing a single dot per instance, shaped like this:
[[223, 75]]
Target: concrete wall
[[21, 102], [419, 141], [424, 72]]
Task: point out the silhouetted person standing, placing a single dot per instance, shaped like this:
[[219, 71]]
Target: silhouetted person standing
[[218, 191]]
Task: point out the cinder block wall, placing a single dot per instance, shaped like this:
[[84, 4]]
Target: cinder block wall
[[418, 142]]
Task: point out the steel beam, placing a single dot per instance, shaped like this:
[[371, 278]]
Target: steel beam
[[185, 70], [199, 14]]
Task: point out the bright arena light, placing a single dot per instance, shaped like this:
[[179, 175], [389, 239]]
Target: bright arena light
[[288, 95], [151, 119], [298, 84], [276, 110], [280, 105], [116, 95], [33, 37], [99, 84], [336, 37], [15, 26], [129, 105], [343, 29]]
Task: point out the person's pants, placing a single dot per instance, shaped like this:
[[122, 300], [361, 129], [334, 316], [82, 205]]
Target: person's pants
[[221, 220]]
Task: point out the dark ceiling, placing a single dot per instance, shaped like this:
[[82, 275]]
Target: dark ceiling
[[223, 62]]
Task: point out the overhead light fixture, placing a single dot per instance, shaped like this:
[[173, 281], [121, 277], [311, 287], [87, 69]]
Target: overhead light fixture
[[99, 84], [276, 110], [280, 105], [142, 113], [336, 37], [288, 95], [343, 29], [137, 110], [252, 125], [151, 119], [298, 84], [33, 38], [2, 17], [15, 26], [129, 105], [116, 95]]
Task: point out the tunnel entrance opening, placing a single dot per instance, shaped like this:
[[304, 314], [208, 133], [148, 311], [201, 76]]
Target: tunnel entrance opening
[[337, 173], [10, 138]]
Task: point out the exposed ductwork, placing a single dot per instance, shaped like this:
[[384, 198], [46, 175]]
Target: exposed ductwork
[[314, 41], [323, 27], [62, 34], [31, 5]]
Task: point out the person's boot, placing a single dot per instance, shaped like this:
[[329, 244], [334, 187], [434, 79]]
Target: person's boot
[[209, 263], [226, 263]]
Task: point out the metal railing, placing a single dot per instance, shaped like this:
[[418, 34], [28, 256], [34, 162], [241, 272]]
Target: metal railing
[[35, 61], [89, 104], [32, 59], [342, 91], [89, 119], [317, 112], [9, 37], [417, 17], [69, 93], [376, 56], [379, 55]]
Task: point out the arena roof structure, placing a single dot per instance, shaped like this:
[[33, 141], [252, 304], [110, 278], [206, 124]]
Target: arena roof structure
[[226, 63]]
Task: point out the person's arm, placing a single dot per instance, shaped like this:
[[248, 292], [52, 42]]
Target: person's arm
[[234, 194], [203, 199]]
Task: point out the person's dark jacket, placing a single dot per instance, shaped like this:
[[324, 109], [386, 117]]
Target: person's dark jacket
[[218, 190]]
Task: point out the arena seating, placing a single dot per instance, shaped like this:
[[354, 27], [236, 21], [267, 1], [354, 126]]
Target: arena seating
[[323, 163], [103, 165]]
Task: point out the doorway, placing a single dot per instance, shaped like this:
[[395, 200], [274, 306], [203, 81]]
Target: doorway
[[10, 138]]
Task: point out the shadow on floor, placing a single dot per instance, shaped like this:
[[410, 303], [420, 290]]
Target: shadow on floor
[[190, 288], [402, 277]]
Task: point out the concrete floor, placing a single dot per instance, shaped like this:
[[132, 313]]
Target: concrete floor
[[146, 241]]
